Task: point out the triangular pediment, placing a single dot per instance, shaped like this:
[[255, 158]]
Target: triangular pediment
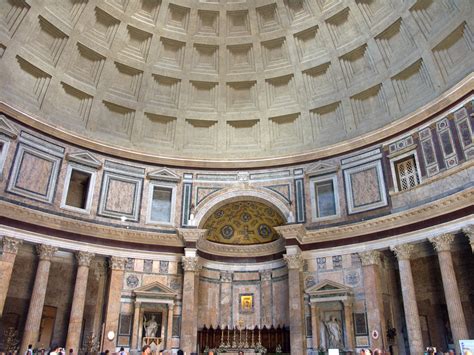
[[7, 128], [321, 168], [164, 175], [84, 158], [155, 290], [328, 287]]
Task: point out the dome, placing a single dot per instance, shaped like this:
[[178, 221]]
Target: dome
[[210, 83]]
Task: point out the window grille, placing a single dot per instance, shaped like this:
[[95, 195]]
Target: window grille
[[407, 173]]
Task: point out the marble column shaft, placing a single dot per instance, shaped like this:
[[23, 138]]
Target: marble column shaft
[[442, 244], [117, 266], [371, 261], [266, 291], [189, 311], [136, 324], [7, 260], [226, 299], [315, 326], [349, 325], [78, 301], [35, 310], [412, 318], [297, 328], [169, 327]]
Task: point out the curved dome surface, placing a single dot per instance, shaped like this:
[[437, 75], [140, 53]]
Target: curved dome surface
[[228, 80]]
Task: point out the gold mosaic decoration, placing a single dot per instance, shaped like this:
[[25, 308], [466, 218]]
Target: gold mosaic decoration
[[243, 222]]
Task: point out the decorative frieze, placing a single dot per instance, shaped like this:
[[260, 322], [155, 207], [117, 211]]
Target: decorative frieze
[[46, 252], [117, 263], [404, 251], [11, 245], [84, 258], [442, 242], [371, 257]]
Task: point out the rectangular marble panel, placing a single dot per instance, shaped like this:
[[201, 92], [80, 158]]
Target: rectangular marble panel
[[365, 187], [34, 173], [120, 196]]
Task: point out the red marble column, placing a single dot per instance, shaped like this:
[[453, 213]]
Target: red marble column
[[35, 311], [7, 260], [412, 318], [78, 301], [117, 267], [442, 245], [189, 312], [371, 262], [315, 326], [297, 328]]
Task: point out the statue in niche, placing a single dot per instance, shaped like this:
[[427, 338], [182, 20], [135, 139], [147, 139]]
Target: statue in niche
[[334, 334], [151, 326]]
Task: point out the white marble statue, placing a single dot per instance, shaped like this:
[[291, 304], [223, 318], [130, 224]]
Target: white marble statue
[[151, 327], [334, 334]]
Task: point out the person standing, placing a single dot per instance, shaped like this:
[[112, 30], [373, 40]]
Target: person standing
[[30, 350]]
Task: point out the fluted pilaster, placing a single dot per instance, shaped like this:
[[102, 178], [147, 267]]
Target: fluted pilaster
[[297, 329], [117, 266], [7, 260], [442, 244]]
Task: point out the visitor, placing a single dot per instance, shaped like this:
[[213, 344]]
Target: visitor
[[55, 350], [30, 350], [122, 351], [180, 352], [71, 351], [146, 350]]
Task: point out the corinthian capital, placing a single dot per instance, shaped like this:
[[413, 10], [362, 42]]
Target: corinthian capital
[[11, 245], [371, 257], [442, 242], [266, 275], [191, 263], [117, 263], [294, 261], [469, 232], [403, 251], [84, 258], [46, 252]]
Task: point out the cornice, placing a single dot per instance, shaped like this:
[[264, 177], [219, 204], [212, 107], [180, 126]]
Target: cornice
[[436, 106], [85, 228], [435, 208], [242, 251]]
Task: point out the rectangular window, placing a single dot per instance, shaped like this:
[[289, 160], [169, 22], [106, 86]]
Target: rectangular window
[[325, 201], [161, 204], [407, 173], [78, 189]]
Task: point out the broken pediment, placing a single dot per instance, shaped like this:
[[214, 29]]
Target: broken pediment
[[85, 158], [321, 168], [7, 128], [164, 175]]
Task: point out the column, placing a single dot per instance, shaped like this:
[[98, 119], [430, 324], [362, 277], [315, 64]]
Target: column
[[371, 262], [35, 310], [442, 245], [226, 299], [136, 324], [7, 260], [404, 252], [79, 299], [348, 322], [297, 328], [112, 314], [190, 306], [169, 332], [469, 232], [315, 326], [266, 292], [100, 273]]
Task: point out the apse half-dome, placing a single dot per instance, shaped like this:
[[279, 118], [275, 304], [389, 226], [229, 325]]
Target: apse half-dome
[[243, 223]]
